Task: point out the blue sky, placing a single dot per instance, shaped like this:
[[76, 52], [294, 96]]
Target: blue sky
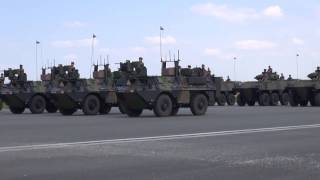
[[258, 33]]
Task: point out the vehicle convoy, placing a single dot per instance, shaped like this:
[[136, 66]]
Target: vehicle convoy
[[20, 93], [177, 87], [304, 91], [93, 96], [268, 90]]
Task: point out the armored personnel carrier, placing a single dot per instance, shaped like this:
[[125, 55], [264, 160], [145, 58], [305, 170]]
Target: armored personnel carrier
[[20, 93], [268, 90], [176, 88], [93, 96], [302, 92]]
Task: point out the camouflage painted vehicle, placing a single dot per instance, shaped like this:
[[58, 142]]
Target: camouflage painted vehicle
[[302, 92], [176, 88], [227, 93], [20, 93], [93, 96], [268, 90]]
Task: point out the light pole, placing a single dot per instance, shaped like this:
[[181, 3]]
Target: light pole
[[297, 64], [92, 52], [234, 68], [37, 43], [161, 29]]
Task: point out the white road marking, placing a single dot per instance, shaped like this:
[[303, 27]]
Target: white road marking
[[156, 138]]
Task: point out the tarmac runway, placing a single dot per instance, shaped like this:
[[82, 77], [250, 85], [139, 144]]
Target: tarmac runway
[[227, 143]]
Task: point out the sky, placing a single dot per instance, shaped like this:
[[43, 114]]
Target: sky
[[210, 32]]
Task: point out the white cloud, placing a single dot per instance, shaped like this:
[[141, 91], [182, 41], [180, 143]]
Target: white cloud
[[74, 24], [273, 11], [212, 52], [224, 12], [73, 43], [156, 40], [297, 41], [254, 45]]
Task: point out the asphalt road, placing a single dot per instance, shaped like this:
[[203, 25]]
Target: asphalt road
[[227, 143]]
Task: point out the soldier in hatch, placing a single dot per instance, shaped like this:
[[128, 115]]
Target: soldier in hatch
[[282, 77], [290, 77], [270, 69]]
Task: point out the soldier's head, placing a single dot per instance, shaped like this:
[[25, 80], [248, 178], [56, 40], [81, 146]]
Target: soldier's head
[[203, 66], [189, 66], [140, 59], [2, 75], [289, 75], [318, 68], [265, 70], [72, 64]]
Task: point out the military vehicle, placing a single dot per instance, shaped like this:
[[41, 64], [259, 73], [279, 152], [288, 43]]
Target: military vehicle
[[176, 88], [20, 93], [227, 93], [268, 90], [93, 96], [302, 92]]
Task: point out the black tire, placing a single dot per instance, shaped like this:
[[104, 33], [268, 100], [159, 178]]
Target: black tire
[[163, 106], [241, 100], [304, 103], [105, 108], [51, 108], [17, 110], [175, 111], [91, 105], [251, 102], [122, 109], [1, 105], [133, 112], [293, 100], [222, 100], [199, 105], [264, 99], [274, 99], [37, 104], [317, 99], [67, 112], [284, 100], [231, 100]]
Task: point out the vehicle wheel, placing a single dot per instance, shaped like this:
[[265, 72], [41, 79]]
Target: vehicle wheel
[[317, 99], [37, 104], [241, 100], [122, 109], [175, 111], [91, 105], [133, 112], [284, 100], [293, 100], [105, 108], [251, 102], [222, 100], [199, 105], [17, 110], [67, 112], [1, 105], [264, 99], [274, 99], [163, 106], [304, 103], [231, 100], [51, 108], [312, 101]]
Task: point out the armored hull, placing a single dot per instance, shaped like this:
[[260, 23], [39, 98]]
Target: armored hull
[[304, 91]]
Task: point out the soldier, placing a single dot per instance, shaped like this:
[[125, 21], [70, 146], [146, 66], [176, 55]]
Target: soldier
[[290, 77], [282, 77], [1, 80], [270, 69], [228, 79]]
